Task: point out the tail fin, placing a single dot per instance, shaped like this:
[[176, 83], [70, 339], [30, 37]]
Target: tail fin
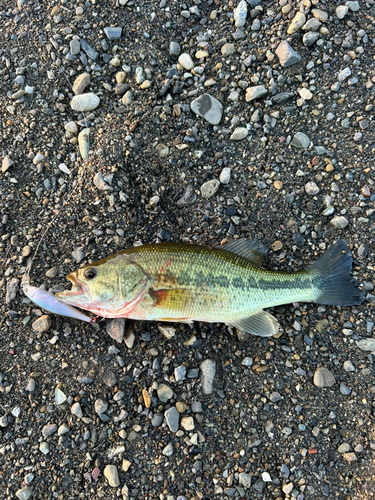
[[331, 277]]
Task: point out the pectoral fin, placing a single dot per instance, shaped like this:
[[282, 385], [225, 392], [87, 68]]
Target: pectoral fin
[[262, 324]]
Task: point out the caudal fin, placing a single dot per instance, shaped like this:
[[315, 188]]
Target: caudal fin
[[331, 277]]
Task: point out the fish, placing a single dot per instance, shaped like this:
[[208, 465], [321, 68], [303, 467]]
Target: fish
[[48, 301], [183, 282]]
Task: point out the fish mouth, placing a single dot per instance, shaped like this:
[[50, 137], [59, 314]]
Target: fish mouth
[[78, 289]]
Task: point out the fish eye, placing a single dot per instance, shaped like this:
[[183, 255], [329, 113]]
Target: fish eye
[[90, 273]]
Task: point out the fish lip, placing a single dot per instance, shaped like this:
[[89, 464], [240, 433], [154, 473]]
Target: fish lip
[[77, 289]]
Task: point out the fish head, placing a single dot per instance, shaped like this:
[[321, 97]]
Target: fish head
[[108, 287]]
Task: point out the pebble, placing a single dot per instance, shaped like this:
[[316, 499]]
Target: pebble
[[339, 222], [353, 6], [239, 133], [85, 102], [366, 344], [344, 448], [310, 38], [12, 289], [113, 33], [129, 338], [344, 74], [341, 11], [164, 392], [187, 423], [287, 488], [240, 14], [111, 474], [168, 331], [49, 429], [42, 324], [253, 93], [24, 493], [80, 83], [297, 22], [75, 47], [172, 418], [60, 397], [209, 188], [76, 410], [228, 49], [30, 386], [311, 188], [78, 254], [348, 366], [344, 389], [44, 448], [174, 49], [244, 479], [300, 140], [324, 378], [186, 61], [100, 406], [6, 164], [350, 457], [208, 371], [180, 373], [208, 107], [100, 182], [116, 329], [225, 175], [84, 142], [71, 127], [63, 429], [287, 55]]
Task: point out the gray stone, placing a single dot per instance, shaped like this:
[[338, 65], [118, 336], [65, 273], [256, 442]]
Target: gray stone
[[63, 429], [180, 373], [75, 47], [186, 61], [127, 98], [113, 33], [24, 493], [6, 164], [341, 11], [300, 140], [240, 14], [188, 198], [84, 142], [196, 407], [366, 344], [157, 419], [174, 49], [344, 448], [311, 188], [348, 366], [109, 378], [208, 108], [244, 479], [60, 397], [100, 406], [320, 14], [80, 83], [353, 6], [344, 389], [4, 421], [78, 255], [287, 55], [256, 92], [71, 127], [164, 392], [208, 371], [209, 188], [44, 448], [310, 38], [239, 133], [225, 175], [168, 450], [85, 102], [116, 329], [77, 410], [100, 182], [312, 24], [228, 49], [111, 474], [344, 74], [297, 22], [339, 222], [172, 418], [89, 50], [323, 377], [49, 429], [12, 289]]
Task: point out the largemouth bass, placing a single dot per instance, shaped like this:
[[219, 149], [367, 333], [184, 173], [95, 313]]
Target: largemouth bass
[[183, 283]]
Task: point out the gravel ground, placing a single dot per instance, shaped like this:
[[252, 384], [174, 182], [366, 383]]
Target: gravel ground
[[197, 122]]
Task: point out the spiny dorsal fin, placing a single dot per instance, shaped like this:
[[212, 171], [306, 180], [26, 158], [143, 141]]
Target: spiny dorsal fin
[[249, 249], [262, 324]]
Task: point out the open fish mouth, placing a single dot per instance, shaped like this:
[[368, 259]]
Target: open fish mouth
[[78, 288]]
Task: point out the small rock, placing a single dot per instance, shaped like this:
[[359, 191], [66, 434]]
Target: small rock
[[24, 493], [100, 182], [113, 33], [116, 329], [310, 38], [324, 378], [344, 389], [168, 450], [71, 127], [81, 82], [12, 289], [111, 474], [44, 448], [208, 370], [188, 198], [167, 331], [341, 11], [60, 397], [6, 164], [253, 93], [239, 133], [42, 324], [287, 488], [127, 98], [180, 373], [186, 61], [208, 108], [300, 141], [209, 188], [228, 49], [49, 429], [85, 102], [78, 255], [344, 74], [225, 175], [353, 6], [311, 188], [366, 344], [339, 222], [287, 55], [187, 423], [344, 448], [174, 49], [100, 406], [164, 392], [244, 479], [348, 366], [172, 418], [240, 14], [297, 22], [76, 410], [84, 142], [162, 150], [350, 457], [129, 338]]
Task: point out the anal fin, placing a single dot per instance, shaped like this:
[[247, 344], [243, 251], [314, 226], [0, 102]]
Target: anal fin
[[262, 324]]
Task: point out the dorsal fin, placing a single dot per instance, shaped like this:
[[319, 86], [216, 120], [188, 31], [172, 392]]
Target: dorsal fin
[[249, 249]]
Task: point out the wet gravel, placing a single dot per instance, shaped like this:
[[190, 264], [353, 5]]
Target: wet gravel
[[125, 123]]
